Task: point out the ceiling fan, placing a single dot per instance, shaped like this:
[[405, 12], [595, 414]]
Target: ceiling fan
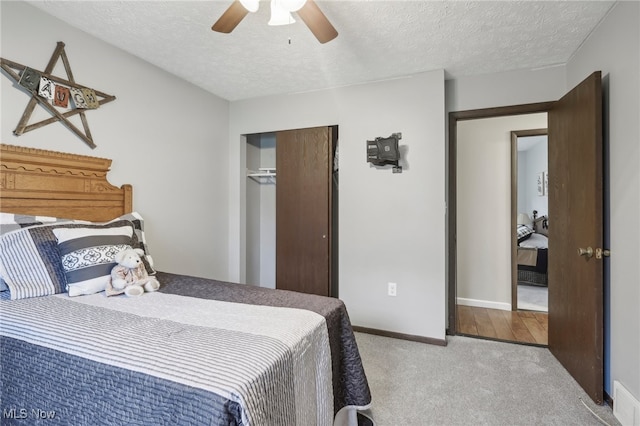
[[307, 10]]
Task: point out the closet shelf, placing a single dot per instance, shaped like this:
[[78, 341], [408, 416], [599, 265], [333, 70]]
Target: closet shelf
[[262, 172]]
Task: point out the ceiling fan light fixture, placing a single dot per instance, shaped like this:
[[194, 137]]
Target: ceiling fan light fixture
[[279, 15], [250, 5], [292, 5], [307, 10]]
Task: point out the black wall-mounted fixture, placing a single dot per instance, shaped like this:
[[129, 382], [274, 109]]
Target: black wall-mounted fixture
[[385, 151]]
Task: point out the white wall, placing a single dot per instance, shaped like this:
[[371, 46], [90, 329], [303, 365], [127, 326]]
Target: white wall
[[535, 160], [522, 190], [484, 208], [391, 225], [166, 137], [505, 89], [614, 49]]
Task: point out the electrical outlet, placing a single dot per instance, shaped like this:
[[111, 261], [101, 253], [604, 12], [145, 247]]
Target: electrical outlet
[[391, 289]]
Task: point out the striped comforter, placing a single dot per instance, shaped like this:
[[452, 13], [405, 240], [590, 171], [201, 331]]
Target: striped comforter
[[224, 354]]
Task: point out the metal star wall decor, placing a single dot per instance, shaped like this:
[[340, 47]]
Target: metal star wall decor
[[54, 92]]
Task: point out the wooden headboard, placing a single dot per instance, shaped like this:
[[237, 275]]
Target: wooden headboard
[[49, 183]]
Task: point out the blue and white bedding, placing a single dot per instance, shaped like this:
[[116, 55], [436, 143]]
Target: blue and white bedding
[[197, 352]]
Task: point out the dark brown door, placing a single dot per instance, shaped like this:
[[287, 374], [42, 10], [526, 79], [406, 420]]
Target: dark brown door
[[576, 213], [303, 194]]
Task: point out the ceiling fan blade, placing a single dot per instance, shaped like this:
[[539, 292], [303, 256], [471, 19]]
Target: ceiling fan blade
[[230, 18], [317, 22]]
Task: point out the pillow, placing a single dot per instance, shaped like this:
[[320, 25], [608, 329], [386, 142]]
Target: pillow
[[523, 232], [88, 255], [30, 262], [11, 222], [138, 225]]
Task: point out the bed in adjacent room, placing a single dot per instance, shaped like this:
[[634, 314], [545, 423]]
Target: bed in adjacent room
[[533, 252], [198, 351]]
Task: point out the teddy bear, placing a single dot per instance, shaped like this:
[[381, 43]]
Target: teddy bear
[[129, 276]]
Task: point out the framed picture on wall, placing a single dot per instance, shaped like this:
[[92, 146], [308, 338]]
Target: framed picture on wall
[[540, 183], [546, 183]]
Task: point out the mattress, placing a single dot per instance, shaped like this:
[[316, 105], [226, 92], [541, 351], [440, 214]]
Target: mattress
[[198, 351]]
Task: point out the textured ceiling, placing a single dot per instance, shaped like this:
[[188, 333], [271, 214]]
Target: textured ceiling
[[377, 40]]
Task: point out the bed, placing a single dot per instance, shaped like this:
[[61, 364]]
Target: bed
[[198, 351], [533, 252]]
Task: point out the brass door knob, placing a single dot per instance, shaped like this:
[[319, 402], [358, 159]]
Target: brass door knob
[[588, 252]]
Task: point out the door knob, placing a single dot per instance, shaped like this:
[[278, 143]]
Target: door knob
[[588, 252]]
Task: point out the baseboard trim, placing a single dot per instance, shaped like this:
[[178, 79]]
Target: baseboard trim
[[483, 304], [401, 336]]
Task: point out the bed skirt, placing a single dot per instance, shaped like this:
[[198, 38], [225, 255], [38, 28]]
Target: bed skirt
[[532, 278]]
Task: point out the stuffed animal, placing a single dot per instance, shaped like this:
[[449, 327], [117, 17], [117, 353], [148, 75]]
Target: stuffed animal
[[129, 276]]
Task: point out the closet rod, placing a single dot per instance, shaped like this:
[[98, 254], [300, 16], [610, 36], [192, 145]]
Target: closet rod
[[262, 172]]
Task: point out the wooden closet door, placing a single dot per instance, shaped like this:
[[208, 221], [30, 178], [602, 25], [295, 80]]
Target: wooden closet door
[[303, 225]]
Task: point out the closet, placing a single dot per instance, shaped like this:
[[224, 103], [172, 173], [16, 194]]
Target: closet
[[291, 210]]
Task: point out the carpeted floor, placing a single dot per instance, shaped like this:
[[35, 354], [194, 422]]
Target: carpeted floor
[[533, 297], [472, 382]]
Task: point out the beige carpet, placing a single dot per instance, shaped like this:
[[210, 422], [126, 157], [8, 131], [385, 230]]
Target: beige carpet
[[472, 382]]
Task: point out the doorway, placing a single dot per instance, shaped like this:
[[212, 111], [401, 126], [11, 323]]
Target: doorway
[[529, 220], [484, 217]]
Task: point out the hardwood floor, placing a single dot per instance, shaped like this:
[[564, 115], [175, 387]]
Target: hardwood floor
[[521, 326]]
